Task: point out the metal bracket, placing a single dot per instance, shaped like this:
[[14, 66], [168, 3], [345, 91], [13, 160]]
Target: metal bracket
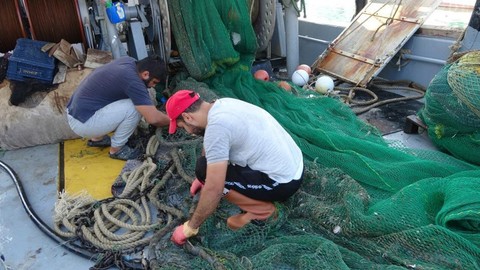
[[137, 13], [355, 56]]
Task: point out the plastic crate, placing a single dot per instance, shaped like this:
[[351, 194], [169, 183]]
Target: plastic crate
[[29, 61]]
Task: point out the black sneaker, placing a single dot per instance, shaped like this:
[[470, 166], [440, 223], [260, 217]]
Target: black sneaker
[[126, 153], [104, 142]]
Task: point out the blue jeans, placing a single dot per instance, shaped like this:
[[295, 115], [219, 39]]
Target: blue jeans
[[119, 116]]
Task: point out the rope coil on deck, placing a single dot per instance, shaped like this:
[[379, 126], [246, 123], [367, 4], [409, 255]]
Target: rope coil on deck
[[359, 106], [126, 222]]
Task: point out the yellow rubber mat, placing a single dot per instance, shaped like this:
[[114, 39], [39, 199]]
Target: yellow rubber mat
[[87, 168]]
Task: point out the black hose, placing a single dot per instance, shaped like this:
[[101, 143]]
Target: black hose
[[40, 224], [130, 264]]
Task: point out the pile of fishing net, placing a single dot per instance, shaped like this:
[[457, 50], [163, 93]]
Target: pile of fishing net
[[365, 203], [452, 108]]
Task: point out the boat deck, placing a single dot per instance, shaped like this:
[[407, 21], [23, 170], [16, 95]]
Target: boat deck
[[23, 245]]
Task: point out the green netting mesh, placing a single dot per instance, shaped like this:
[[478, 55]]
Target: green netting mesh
[[452, 108], [216, 38], [463, 78], [365, 203]]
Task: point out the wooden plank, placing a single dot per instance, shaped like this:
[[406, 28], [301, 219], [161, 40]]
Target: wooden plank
[[376, 34], [97, 58], [440, 31]]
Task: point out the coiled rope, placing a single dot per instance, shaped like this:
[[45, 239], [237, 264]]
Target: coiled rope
[[124, 223], [348, 94], [360, 107]]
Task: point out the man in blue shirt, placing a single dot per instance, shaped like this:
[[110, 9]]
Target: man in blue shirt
[[113, 98]]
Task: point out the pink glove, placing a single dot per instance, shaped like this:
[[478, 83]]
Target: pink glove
[[178, 237], [195, 187], [183, 232]]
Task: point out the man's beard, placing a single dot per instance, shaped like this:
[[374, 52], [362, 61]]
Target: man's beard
[[198, 131], [146, 82]]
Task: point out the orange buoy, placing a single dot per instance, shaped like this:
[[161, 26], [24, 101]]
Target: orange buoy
[[285, 85], [307, 68], [261, 75]]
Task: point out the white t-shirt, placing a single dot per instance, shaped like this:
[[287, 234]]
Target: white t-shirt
[[245, 134]]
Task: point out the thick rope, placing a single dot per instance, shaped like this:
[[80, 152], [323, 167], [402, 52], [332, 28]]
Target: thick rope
[[99, 223], [372, 103], [138, 177], [361, 106], [180, 171]]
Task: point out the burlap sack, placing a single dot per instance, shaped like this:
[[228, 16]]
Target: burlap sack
[[41, 119]]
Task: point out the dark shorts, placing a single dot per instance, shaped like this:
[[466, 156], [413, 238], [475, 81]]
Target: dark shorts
[[251, 183]]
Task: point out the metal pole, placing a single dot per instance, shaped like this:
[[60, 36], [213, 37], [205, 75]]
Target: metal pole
[[429, 60], [291, 33]]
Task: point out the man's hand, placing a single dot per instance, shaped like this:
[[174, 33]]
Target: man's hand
[[183, 232], [195, 187]]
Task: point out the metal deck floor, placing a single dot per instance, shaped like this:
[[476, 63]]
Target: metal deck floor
[[22, 244]]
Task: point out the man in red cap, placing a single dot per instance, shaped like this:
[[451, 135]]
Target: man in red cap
[[250, 159]]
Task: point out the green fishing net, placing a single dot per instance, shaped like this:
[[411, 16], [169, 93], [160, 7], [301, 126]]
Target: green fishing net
[[452, 108], [365, 203]]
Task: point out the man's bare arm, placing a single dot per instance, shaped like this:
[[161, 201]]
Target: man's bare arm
[[211, 193], [153, 116]]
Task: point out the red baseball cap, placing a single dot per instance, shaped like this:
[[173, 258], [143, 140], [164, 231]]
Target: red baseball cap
[[177, 104]]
